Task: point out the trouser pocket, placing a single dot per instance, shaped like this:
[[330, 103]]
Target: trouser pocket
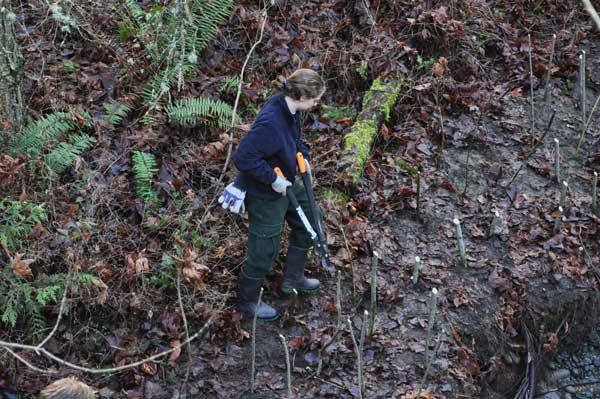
[[263, 248]]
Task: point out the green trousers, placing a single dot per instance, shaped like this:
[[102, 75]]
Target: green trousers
[[266, 220]]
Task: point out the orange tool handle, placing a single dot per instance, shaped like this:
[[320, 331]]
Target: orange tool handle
[[279, 172], [301, 163]]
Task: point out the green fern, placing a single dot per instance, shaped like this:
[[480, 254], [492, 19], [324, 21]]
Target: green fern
[[17, 219], [25, 300], [161, 30], [40, 133], [63, 155], [115, 112], [192, 111], [144, 168]]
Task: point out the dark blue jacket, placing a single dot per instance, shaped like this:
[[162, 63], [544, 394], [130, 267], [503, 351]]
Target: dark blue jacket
[[272, 141]]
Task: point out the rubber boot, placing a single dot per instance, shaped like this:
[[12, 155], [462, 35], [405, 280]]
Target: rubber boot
[[293, 272], [248, 291]]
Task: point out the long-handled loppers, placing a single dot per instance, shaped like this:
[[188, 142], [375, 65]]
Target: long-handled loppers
[[318, 239]]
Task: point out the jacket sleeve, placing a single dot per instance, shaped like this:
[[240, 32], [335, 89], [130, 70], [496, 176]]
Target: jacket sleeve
[[261, 142]]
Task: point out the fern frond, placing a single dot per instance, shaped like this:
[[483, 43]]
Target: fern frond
[[192, 111], [39, 133], [115, 112], [144, 168], [63, 155]]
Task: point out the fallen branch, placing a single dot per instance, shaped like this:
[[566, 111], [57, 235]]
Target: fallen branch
[[42, 351]]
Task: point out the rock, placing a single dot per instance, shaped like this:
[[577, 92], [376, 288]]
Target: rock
[[153, 390], [551, 395], [558, 375], [106, 393], [571, 389]]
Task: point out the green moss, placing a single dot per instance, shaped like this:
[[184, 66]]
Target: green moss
[[359, 141], [375, 86], [390, 101], [391, 95], [336, 195]]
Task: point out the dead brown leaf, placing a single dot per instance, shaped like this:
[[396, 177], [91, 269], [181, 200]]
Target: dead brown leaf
[[21, 266]]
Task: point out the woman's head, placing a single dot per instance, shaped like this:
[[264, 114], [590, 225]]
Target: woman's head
[[305, 87]]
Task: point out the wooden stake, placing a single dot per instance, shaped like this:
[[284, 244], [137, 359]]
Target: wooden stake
[[558, 220], [287, 366], [531, 87], [430, 325], [415, 276], [594, 194], [563, 194], [373, 293], [557, 160], [363, 330], [461, 242], [583, 89], [418, 195]]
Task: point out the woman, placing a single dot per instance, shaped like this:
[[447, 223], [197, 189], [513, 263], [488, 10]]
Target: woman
[[273, 141]]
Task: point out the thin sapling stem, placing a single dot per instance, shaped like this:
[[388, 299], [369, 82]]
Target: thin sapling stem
[[531, 87], [373, 293], [287, 366], [253, 345], [415, 276], [594, 194], [558, 220], [358, 358], [548, 73], [557, 159], [563, 194]]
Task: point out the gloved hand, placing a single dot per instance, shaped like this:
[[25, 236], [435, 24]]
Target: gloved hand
[[280, 185], [233, 198]]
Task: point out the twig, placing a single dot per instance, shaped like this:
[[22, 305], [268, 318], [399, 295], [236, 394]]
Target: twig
[[358, 359], [31, 366], [547, 85], [233, 114], [287, 365], [582, 87], [42, 351], [60, 311], [587, 257], [253, 366], [351, 263], [338, 327], [187, 336], [533, 150], [587, 124]]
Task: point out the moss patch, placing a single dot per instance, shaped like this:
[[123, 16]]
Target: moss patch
[[336, 195], [359, 141], [378, 103]]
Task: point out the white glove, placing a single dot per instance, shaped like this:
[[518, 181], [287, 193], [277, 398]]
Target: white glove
[[280, 185], [233, 198]]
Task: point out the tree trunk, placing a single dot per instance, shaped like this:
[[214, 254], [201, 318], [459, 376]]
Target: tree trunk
[[12, 107]]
